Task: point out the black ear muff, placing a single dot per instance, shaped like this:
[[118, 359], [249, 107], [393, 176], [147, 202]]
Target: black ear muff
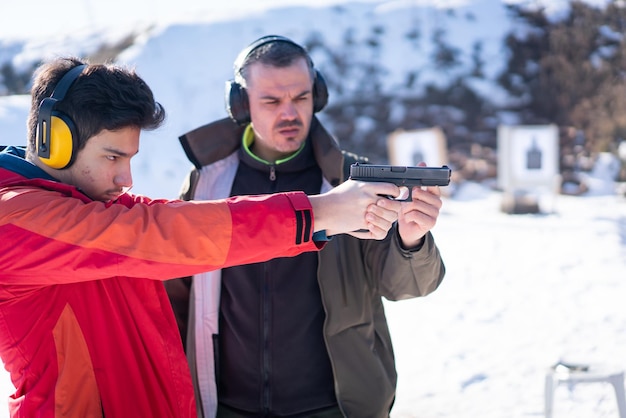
[[320, 92], [236, 98], [237, 102], [57, 137]]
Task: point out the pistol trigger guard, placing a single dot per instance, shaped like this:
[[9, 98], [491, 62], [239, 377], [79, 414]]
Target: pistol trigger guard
[[404, 197]]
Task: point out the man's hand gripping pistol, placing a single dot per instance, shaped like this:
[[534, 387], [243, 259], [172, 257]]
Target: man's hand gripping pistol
[[401, 175]]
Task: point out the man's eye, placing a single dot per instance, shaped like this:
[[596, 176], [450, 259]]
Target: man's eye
[[111, 157]]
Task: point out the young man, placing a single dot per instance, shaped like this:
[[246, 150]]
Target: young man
[[86, 329], [318, 346]]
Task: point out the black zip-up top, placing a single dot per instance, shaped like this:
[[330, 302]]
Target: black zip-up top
[[271, 314]]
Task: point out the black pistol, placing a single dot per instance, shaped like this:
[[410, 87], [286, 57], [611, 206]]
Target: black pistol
[[401, 175]]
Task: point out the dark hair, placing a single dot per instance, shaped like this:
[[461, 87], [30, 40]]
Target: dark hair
[[104, 96], [277, 53]]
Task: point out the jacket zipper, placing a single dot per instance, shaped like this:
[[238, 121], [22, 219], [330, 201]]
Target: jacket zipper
[[266, 366], [324, 333], [267, 361]]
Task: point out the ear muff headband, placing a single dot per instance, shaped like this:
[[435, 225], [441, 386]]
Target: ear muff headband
[[57, 138], [237, 104]]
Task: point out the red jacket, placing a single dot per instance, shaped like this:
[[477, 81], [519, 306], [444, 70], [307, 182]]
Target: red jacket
[[86, 328]]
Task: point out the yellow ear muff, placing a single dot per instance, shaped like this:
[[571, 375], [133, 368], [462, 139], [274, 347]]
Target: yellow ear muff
[[61, 144], [56, 137]]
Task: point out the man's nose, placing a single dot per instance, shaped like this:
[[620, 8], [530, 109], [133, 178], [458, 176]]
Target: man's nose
[[289, 111], [124, 178]]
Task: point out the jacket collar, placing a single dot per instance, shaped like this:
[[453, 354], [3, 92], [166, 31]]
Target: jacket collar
[[13, 158], [16, 170], [217, 140]]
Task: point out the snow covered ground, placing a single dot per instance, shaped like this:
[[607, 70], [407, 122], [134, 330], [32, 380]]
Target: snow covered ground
[[521, 292]]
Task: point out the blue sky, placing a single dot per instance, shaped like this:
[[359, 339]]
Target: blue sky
[[44, 18]]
